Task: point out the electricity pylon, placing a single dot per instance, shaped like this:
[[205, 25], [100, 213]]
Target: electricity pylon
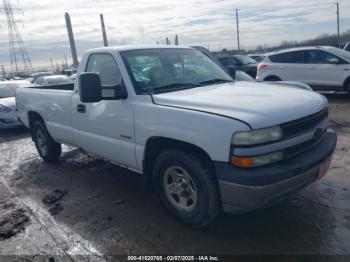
[[20, 61]]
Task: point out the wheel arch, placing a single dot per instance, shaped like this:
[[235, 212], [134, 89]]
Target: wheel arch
[[346, 83], [155, 145], [32, 117], [270, 77]]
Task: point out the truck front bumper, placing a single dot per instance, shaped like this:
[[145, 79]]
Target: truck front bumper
[[244, 190]]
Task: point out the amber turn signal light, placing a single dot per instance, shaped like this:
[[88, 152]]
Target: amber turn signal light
[[242, 161]]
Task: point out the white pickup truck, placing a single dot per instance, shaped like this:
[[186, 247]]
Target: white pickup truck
[[203, 142]]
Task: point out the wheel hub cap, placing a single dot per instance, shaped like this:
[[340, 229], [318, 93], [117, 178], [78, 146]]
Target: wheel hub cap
[[180, 189], [41, 142]]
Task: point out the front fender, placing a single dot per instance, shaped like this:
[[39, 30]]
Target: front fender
[[211, 133]]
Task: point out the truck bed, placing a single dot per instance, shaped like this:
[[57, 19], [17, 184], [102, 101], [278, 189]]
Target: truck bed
[[52, 103]]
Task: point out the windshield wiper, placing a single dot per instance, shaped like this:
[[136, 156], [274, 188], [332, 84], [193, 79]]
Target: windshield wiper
[[173, 87], [215, 81]]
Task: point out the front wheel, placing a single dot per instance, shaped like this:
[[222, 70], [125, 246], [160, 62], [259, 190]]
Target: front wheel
[[48, 149], [186, 187]]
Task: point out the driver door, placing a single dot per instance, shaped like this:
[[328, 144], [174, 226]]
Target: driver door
[[106, 128]]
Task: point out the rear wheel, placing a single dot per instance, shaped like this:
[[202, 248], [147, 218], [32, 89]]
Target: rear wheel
[[48, 149], [186, 187]]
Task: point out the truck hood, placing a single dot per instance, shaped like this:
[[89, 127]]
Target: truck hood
[[258, 104]]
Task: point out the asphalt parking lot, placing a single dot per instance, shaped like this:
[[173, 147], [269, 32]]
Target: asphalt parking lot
[[86, 206]]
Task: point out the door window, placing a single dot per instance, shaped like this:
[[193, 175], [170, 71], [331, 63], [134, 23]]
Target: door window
[[229, 61], [319, 57], [106, 67], [233, 61], [224, 61], [289, 57]]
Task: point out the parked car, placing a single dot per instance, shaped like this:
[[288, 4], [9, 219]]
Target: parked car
[[17, 78], [8, 113], [69, 72], [323, 68], [52, 80], [33, 77], [8, 88], [347, 46], [238, 75], [257, 57], [204, 142], [241, 76], [240, 62], [73, 77]]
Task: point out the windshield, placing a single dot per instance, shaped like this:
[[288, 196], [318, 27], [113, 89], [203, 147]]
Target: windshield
[[341, 53], [166, 70], [246, 60]]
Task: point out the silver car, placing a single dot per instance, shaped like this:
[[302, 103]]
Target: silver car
[[8, 113], [52, 80]]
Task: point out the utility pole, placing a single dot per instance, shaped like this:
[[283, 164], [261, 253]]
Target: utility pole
[[53, 70], [338, 24], [71, 40], [65, 60], [104, 35], [3, 71], [237, 23], [176, 40]]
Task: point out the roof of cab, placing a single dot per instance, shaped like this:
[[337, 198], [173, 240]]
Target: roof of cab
[[299, 49], [135, 47]]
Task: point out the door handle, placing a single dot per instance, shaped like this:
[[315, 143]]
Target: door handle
[[81, 108], [347, 69]]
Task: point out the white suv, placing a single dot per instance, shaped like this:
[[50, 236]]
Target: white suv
[[323, 68]]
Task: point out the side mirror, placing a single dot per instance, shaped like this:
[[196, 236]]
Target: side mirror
[[116, 92], [91, 90], [334, 61], [90, 87]]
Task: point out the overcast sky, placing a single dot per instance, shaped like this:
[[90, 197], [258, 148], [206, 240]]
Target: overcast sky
[[206, 22]]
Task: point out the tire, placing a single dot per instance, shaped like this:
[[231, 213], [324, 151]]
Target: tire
[[48, 149], [186, 187], [348, 90], [272, 78]]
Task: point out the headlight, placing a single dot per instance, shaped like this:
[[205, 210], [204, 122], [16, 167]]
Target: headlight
[[4, 109], [258, 136], [257, 160]]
